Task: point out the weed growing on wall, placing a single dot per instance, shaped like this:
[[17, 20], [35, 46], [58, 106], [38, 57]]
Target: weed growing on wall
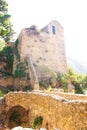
[[38, 121]]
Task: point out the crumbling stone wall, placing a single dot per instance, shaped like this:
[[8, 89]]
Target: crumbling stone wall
[[44, 48], [57, 112]]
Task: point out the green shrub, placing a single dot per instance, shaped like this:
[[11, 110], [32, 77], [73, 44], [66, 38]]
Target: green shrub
[[19, 73], [38, 121], [61, 78], [20, 70], [6, 56], [78, 89], [28, 88], [1, 94], [5, 91], [44, 84]]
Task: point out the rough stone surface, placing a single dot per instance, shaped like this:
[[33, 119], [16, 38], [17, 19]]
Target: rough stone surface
[[6, 81], [57, 111], [45, 49]]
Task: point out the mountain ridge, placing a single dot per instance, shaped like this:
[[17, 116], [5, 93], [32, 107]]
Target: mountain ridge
[[76, 65]]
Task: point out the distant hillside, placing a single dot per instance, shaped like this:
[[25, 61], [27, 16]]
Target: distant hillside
[[77, 66]]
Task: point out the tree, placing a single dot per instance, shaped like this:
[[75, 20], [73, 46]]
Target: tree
[[6, 31], [61, 78], [76, 80], [3, 6], [84, 83]]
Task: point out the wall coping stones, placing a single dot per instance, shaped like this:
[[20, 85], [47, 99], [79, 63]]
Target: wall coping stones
[[59, 97]]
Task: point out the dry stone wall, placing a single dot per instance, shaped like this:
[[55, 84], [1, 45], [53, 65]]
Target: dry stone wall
[[57, 111]]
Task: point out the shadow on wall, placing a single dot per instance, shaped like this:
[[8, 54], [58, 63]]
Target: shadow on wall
[[17, 116]]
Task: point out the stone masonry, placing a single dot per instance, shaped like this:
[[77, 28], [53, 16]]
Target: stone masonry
[[45, 48], [60, 110]]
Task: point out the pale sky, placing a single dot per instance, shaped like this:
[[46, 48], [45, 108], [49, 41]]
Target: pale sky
[[71, 14]]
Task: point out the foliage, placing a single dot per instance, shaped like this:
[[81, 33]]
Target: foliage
[[28, 88], [3, 92], [2, 44], [20, 70], [78, 89], [76, 80], [44, 84], [61, 78], [53, 82], [71, 75], [3, 6], [79, 81], [6, 31], [84, 83], [6, 56], [38, 121], [8, 53]]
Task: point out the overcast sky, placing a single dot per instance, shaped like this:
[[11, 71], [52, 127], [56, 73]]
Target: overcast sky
[[71, 14]]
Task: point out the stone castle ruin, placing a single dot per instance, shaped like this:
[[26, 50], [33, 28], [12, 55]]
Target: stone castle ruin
[[44, 51]]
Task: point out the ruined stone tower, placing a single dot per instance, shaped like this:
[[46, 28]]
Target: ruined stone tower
[[44, 49]]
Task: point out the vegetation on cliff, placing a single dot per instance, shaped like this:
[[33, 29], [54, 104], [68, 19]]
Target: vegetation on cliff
[[6, 33]]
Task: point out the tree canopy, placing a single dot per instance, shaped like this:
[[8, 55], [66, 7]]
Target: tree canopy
[[6, 31]]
